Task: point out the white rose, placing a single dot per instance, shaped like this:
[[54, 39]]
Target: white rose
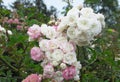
[[51, 32], [101, 18], [67, 47], [43, 44], [69, 58], [52, 44], [71, 32], [95, 27], [58, 76], [61, 39], [57, 55], [86, 11], [82, 36], [73, 15], [48, 31], [43, 29], [48, 55], [83, 23], [63, 24]]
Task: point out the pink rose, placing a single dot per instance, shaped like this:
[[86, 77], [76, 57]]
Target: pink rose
[[19, 27], [36, 54], [69, 73], [48, 71], [32, 78], [34, 32], [16, 21], [10, 21], [55, 27]]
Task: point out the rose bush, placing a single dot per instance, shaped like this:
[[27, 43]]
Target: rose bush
[[69, 49], [57, 43]]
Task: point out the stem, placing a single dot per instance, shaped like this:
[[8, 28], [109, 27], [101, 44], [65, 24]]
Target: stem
[[7, 64], [78, 53], [84, 53]]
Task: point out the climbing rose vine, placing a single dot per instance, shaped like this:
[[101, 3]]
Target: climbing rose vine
[[57, 44]]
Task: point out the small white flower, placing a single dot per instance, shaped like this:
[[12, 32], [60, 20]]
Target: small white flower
[[2, 29], [77, 78], [9, 32], [55, 63], [63, 65]]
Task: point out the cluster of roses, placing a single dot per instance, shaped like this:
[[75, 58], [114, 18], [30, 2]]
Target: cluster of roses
[[56, 52], [14, 21], [82, 25], [3, 31], [57, 44]]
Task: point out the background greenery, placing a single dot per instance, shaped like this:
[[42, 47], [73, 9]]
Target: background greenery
[[100, 61]]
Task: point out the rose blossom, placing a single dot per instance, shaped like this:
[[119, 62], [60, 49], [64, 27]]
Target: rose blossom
[[55, 27], [48, 31], [16, 21], [10, 21], [57, 55], [34, 31], [33, 78], [19, 27], [67, 47], [52, 44], [48, 71], [58, 76], [69, 73], [70, 58], [36, 54]]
